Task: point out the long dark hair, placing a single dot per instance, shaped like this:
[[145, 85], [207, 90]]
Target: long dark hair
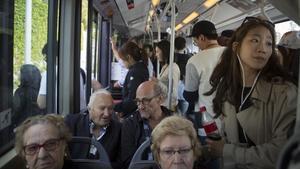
[[164, 46], [226, 78], [132, 49]]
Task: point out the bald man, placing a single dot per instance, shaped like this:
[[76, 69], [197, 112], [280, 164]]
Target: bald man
[[98, 123], [149, 97]]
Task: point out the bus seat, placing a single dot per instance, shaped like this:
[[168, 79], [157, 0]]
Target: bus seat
[[87, 164], [102, 163], [138, 163]]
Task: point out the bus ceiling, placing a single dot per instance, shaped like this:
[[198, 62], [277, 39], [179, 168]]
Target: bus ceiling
[[130, 17], [290, 8]]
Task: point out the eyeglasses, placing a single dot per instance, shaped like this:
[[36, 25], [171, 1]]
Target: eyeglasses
[[49, 145], [144, 101], [257, 20], [169, 153]]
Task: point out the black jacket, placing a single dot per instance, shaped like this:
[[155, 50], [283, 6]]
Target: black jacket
[[79, 125], [181, 60], [133, 135], [137, 74], [25, 97]]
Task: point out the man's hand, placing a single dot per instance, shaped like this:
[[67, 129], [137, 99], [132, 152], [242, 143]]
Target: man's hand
[[215, 148]]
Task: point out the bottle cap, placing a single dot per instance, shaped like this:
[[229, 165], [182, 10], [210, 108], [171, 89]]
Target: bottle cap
[[202, 109]]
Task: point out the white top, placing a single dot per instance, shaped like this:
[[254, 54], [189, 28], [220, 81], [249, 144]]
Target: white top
[[43, 85], [164, 79], [150, 68], [198, 71], [43, 90], [124, 72]]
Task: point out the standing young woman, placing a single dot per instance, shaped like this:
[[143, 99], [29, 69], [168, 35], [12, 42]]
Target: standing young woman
[[163, 55], [135, 60], [254, 97]]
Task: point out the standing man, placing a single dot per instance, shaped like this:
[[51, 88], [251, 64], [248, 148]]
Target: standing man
[[149, 97], [181, 58], [200, 66], [225, 37], [97, 122]]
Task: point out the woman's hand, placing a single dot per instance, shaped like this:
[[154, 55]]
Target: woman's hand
[[113, 43], [114, 48]]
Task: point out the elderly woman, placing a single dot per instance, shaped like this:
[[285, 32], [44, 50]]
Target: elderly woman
[[175, 143], [42, 142]]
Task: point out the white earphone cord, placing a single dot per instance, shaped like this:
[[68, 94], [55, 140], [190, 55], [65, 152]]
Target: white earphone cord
[[242, 95], [243, 79]]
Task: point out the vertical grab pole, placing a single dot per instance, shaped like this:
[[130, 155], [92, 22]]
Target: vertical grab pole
[[173, 19], [28, 18], [298, 97], [158, 39]]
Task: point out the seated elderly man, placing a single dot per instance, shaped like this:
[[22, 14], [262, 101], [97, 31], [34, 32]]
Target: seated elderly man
[[97, 122], [149, 97]]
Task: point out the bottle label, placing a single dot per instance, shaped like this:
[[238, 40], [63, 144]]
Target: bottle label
[[210, 128], [202, 136], [201, 132]]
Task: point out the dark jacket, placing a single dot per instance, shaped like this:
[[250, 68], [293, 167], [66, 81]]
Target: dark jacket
[[181, 60], [137, 74], [133, 135], [79, 125], [25, 97]]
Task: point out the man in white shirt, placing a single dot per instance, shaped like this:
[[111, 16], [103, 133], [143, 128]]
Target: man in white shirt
[[200, 66]]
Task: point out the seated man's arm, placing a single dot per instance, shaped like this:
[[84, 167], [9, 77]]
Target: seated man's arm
[[128, 143]]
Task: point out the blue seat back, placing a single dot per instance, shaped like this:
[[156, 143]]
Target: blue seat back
[[138, 163]]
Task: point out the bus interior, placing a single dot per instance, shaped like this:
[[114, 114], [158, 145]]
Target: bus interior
[[79, 32]]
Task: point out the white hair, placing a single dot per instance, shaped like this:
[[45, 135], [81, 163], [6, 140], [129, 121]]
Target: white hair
[[94, 95]]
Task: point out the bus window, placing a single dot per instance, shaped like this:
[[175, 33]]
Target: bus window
[[21, 63], [284, 27]]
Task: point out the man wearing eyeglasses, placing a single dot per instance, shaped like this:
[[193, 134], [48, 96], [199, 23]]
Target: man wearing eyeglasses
[[149, 97], [97, 123]]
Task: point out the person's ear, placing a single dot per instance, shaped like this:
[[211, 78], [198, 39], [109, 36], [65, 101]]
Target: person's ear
[[235, 46], [161, 98], [202, 37]]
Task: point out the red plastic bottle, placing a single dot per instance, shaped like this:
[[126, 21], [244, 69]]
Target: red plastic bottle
[[209, 125]]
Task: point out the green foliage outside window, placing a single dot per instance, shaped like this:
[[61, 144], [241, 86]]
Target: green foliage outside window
[[39, 35]]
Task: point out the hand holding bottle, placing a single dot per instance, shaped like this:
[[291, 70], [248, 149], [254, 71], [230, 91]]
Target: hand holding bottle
[[215, 148]]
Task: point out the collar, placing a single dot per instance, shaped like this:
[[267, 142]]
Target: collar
[[102, 131], [262, 90], [135, 64]]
